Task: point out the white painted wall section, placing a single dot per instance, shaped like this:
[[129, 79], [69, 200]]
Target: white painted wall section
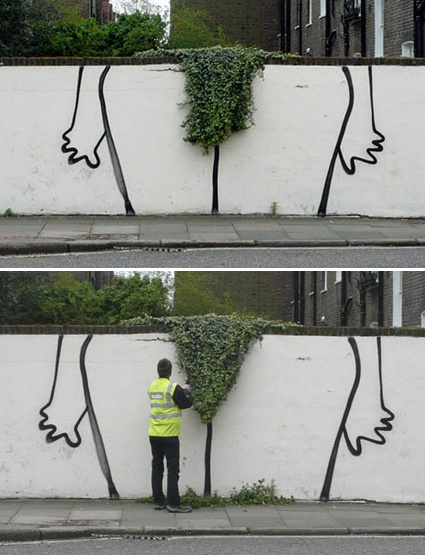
[[280, 421], [284, 158]]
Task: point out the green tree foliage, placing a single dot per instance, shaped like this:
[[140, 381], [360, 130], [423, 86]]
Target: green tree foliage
[[125, 37], [68, 301], [134, 33], [43, 298], [134, 296], [192, 28], [80, 37], [52, 28], [21, 296], [26, 25], [194, 297]]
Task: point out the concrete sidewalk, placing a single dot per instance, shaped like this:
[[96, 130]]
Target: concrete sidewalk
[[60, 234], [34, 519]]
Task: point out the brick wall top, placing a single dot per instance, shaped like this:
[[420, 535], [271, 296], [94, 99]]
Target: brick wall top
[[305, 61], [122, 330]]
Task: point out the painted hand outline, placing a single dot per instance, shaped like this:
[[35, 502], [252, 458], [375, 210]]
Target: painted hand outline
[[92, 158], [105, 133], [349, 162], [356, 447], [53, 421], [52, 434]]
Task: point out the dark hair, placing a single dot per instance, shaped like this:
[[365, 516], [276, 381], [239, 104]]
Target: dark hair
[[164, 368]]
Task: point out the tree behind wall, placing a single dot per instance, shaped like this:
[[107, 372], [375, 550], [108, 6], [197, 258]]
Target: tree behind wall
[[26, 25], [192, 28], [59, 299], [193, 296]]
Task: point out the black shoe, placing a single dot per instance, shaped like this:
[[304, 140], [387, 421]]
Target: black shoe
[[160, 506], [179, 509]]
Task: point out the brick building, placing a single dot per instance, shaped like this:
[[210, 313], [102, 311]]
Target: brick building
[[333, 298], [322, 27], [100, 9], [366, 28], [248, 22], [265, 294], [359, 298], [97, 279]]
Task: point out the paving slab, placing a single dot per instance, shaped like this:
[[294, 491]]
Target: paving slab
[[38, 234], [30, 519]]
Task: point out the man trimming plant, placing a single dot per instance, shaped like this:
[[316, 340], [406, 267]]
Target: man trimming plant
[[167, 399]]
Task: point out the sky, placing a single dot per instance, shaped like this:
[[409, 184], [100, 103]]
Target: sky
[[161, 3]]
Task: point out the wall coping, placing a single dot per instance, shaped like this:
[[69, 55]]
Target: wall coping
[[73, 329], [120, 61]]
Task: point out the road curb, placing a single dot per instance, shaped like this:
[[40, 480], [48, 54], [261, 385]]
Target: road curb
[[68, 533], [60, 247]]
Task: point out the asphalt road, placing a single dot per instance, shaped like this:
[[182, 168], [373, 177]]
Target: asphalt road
[[365, 545], [345, 257]]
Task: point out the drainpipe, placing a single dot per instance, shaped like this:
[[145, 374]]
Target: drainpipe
[[381, 299], [343, 319], [419, 23], [346, 31], [363, 27], [300, 27], [296, 284], [346, 301], [328, 41], [362, 304], [285, 26], [302, 298]]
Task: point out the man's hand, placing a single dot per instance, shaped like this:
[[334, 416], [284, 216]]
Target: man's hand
[[187, 387]]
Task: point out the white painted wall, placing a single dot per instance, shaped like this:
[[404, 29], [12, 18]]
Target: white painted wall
[[278, 423], [284, 158]]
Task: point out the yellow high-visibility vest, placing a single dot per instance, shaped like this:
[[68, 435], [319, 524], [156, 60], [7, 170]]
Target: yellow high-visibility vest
[[166, 417]]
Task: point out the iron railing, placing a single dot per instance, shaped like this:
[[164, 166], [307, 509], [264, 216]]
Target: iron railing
[[352, 9]]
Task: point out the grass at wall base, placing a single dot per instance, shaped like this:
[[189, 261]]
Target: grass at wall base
[[258, 493]]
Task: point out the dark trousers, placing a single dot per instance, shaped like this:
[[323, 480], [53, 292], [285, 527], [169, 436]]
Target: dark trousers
[[168, 447]]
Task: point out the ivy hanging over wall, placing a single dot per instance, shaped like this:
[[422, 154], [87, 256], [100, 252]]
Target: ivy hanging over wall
[[219, 90], [211, 350]]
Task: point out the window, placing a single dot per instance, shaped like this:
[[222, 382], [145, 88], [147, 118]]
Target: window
[[338, 276], [309, 12], [324, 282], [397, 299], [322, 8], [407, 49], [299, 14]]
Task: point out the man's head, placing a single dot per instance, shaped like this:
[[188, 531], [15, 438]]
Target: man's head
[[164, 368]]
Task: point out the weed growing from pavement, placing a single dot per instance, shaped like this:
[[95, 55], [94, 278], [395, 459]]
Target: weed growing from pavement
[[258, 493]]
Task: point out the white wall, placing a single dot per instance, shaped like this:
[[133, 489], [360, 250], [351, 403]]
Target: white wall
[[284, 158], [279, 422]]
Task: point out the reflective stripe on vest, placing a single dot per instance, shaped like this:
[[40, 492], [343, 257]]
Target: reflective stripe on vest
[[165, 417]]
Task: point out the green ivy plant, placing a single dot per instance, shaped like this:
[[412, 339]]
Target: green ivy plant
[[219, 92], [211, 350]]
